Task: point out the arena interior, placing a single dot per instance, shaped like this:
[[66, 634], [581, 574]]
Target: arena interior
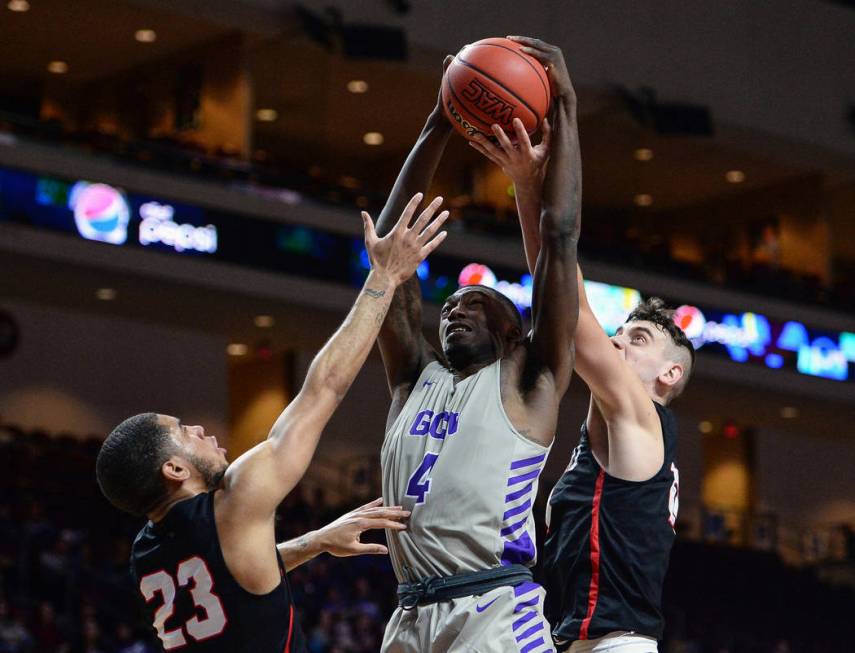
[[237, 141]]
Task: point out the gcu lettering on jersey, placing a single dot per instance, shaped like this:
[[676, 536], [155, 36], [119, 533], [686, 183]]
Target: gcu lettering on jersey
[[436, 425], [491, 105]]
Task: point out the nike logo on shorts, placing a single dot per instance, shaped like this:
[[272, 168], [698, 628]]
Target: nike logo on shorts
[[481, 608]]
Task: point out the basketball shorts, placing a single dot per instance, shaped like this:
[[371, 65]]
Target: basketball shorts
[[501, 620], [616, 642]]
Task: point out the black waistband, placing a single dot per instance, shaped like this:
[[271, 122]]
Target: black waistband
[[445, 588]]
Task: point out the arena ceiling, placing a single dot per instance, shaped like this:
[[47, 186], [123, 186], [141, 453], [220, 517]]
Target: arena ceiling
[[318, 118]]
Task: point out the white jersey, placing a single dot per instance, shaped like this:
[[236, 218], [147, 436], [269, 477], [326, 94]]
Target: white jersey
[[469, 477]]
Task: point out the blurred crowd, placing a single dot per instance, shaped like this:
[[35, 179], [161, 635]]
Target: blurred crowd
[[65, 585]]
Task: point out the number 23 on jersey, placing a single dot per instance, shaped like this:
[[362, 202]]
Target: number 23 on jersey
[[199, 627]]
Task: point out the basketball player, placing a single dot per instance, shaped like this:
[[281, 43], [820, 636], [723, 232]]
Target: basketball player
[[470, 427], [611, 516], [206, 564]]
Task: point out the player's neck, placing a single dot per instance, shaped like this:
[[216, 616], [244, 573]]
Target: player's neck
[[182, 493]]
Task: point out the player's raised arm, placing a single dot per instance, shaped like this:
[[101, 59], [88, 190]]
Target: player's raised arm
[[555, 305], [257, 482], [403, 347]]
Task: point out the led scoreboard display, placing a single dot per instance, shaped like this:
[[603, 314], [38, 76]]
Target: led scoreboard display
[[109, 215]]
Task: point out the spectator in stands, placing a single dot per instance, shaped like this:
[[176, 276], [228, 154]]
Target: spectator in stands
[[14, 637]]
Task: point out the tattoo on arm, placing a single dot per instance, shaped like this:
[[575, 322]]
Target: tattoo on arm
[[375, 294]]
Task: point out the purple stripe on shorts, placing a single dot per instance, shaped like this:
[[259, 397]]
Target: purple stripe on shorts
[[531, 645], [526, 604], [531, 631], [513, 496], [528, 616], [525, 588], [518, 551], [515, 511], [513, 528], [525, 462], [513, 480]]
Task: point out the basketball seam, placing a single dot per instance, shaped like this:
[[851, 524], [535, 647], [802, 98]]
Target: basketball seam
[[464, 106], [498, 83], [523, 57]]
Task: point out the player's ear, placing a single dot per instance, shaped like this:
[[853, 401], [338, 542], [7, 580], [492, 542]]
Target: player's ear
[[672, 374], [175, 469]]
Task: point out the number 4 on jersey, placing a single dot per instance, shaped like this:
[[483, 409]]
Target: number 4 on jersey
[[418, 486]]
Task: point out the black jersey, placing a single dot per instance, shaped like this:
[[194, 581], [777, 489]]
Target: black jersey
[[193, 602], [608, 544]]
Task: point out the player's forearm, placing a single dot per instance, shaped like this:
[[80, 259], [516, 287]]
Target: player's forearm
[[299, 550], [337, 364], [528, 196], [418, 170], [562, 188]]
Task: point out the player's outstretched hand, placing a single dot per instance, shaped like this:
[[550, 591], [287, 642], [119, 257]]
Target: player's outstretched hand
[[523, 162], [399, 253], [445, 64], [553, 60], [341, 537]]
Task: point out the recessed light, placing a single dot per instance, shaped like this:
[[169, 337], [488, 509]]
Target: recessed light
[[106, 294], [237, 349], [57, 67], [373, 138], [789, 412], [266, 115], [18, 5], [705, 426], [264, 321], [643, 154], [357, 86], [643, 199], [735, 176], [145, 35]]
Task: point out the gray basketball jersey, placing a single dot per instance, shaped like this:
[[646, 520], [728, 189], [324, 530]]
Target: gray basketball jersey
[[453, 458]]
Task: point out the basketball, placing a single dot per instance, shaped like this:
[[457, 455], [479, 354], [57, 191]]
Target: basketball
[[492, 81]]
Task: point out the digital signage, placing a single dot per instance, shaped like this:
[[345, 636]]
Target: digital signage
[[111, 216]]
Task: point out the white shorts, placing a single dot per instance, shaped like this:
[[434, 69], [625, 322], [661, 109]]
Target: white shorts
[[619, 641], [503, 620]]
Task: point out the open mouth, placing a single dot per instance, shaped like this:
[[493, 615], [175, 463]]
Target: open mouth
[[457, 328]]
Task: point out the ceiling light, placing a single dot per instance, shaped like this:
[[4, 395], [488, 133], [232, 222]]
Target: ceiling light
[[789, 412], [106, 294], [264, 321], [267, 115], [145, 35], [643, 199], [705, 426], [57, 67], [237, 349], [18, 5], [735, 176], [373, 138], [643, 154], [357, 86]]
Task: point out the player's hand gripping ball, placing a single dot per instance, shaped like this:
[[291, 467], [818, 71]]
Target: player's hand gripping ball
[[493, 81]]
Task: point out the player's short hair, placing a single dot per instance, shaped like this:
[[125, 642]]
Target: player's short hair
[[129, 462], [654, 310], [512, 309]]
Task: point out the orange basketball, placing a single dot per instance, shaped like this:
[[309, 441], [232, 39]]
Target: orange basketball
[[492, 82]]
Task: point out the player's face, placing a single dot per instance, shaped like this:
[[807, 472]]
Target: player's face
[[472, 323], [644, 346], [201, 451]]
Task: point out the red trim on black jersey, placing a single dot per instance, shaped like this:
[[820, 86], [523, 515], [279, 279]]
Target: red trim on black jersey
[[594, 589], [290, 630]]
